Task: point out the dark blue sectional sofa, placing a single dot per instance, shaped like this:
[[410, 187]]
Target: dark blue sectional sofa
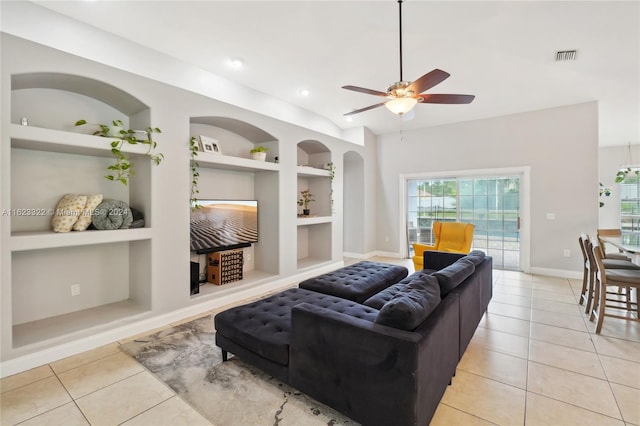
[[368, 340]]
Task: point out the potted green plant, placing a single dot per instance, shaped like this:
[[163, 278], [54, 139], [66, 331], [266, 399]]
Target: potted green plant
[[123, 167], [259, 153], [307, 197]]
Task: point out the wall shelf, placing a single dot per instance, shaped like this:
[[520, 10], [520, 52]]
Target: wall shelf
[[305, 221], [82, 321], [41, 139], [36, 240], [305, 171], [227, 162], [250, 279]]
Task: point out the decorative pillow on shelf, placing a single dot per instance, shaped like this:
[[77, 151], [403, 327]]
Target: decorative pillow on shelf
[[112, 214], [84, 220], [67, 212]]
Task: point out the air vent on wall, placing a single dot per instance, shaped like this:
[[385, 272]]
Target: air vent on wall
[[566, 55]]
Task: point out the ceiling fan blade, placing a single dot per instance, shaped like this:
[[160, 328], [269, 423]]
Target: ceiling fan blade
[[428, 80], [446, 99], [365, 109], [363, 90]]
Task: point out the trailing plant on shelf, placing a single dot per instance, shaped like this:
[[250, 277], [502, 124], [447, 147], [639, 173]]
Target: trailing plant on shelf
[[122, 169], [307, 197], [332, 174], [195, 174]]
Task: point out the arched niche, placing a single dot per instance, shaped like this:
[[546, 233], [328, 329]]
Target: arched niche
[[354, 208], [58, 100], [313, 153], [235, 137]]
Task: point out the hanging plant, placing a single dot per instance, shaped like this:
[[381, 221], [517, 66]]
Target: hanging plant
[[195, 174], [624, 173], [604, 190], [123, 167]]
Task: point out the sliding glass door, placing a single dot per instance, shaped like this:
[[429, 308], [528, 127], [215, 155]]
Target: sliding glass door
[[491, 203]]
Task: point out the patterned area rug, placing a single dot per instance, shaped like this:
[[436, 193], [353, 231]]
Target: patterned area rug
[[186, 358]]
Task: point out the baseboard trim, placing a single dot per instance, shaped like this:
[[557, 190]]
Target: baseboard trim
[[561, 273], [371, 254]]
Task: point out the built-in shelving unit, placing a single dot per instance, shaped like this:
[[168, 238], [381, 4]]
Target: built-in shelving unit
[[233, 175], [314, 232], [109, 269], [65, 293]]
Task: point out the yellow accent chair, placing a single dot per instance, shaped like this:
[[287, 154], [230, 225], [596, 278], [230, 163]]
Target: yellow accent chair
[[454, 237]]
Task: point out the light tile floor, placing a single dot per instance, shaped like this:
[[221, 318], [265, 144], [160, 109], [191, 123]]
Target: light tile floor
[[534, 360]]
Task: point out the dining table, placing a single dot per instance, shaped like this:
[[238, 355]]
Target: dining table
[[629, 244]]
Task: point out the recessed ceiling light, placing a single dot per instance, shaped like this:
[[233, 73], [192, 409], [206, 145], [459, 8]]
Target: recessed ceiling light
[[349, 118], [304, 92], [236, 63]]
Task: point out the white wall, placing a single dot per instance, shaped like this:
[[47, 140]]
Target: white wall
[[561, 147]]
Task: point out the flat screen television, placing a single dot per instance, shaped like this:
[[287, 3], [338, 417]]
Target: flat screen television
[[218, 225]]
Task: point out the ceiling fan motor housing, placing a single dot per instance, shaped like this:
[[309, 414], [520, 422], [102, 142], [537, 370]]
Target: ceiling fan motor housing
[[399, 90]]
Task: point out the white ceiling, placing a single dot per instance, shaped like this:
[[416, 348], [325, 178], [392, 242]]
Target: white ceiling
[[502, 52]]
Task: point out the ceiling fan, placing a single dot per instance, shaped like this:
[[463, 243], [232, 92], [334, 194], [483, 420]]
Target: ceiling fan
[[404, 95]]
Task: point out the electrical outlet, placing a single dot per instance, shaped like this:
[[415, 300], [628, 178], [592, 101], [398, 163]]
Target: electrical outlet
[[567, 253], [75, 290]]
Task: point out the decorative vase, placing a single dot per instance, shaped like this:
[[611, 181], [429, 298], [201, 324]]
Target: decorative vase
[[260, 156], [306, 212]]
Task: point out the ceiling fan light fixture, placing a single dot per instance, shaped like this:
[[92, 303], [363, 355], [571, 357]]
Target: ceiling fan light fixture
[[401, 106], [404, 95]]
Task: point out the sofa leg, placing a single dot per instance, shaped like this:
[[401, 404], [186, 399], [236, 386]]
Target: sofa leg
[[224, 355]]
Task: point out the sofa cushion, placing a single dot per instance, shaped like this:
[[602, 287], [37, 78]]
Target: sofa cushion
[[378, 300], [451, 276], [356, 282], [408, 309], [476, 256], [264, 326]]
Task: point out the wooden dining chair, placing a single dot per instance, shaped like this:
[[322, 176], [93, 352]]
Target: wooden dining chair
[[604, 278], [586, 294], [589, 270]]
